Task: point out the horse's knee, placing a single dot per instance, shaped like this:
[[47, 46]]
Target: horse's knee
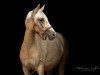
[[40, 69], [25, 70]]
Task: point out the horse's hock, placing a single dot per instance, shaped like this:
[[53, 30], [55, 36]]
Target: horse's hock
[[43, 49]]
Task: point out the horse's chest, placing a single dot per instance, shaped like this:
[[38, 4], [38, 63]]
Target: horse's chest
[[32, 60], [34, 54]]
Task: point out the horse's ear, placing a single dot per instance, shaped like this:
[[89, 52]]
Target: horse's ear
[[37, 8], [42, 8]]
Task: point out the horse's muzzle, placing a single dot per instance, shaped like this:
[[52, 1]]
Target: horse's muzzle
[[48, 32], [51, 34]]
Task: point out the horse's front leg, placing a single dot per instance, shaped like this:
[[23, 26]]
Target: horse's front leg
[[49, 72], [25, 70], [40, 69]]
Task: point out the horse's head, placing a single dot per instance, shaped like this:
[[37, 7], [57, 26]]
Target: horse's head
[[41, 24]]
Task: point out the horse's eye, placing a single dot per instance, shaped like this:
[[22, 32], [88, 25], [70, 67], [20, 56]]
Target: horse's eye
[[41, 19]]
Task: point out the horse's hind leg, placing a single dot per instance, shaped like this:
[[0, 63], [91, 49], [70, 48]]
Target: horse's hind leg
[[26, 71]]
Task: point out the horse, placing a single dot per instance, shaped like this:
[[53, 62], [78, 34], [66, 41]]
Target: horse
[[43, 49]]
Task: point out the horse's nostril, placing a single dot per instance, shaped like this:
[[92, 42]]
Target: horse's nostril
[[53, 35]]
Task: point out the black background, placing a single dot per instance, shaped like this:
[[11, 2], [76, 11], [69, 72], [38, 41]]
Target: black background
[[78, 21]]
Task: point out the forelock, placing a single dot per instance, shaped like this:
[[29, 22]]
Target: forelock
[[40, 14]]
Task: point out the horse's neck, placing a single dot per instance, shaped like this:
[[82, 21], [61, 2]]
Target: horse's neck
[[33, 39], [41, 46], [38, 41], [29, 38]]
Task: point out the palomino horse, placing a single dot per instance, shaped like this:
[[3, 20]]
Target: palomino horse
[[42, 49]]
